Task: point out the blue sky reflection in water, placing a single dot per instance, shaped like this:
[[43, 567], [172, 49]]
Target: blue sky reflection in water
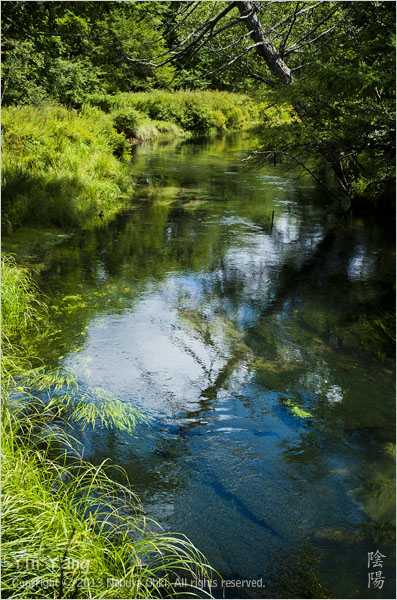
[[224, 329]]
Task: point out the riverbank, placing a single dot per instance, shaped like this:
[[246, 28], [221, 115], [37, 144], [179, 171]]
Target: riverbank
[[144, 116], [90, 539], [61, 166]]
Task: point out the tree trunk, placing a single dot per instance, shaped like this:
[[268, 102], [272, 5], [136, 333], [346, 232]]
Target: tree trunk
[[266, 48]]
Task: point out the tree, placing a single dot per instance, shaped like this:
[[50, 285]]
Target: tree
[[68, 50], [332, 61]]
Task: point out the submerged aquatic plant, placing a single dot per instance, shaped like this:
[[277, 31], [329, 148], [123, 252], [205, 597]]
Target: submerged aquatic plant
[[108, 410], [296, 410]]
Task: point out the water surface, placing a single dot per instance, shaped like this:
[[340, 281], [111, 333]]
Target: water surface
[[222, 299]]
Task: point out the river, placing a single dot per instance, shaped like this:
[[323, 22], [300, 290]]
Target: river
[[258, 345]]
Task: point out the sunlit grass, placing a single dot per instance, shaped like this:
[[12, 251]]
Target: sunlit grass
[[19, 298], [107, 410], [68, 530], [61, 166], [145, 115]]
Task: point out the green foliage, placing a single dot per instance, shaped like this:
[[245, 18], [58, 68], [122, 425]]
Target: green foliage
[[197, 111], [21, 74], [19, 301], [296, 411], [59, 166], [108, 410], [277, 115], [126, 120], [29, 77], [65, 51]]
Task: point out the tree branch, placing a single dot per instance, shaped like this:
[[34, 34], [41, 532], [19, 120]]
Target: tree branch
[[284, 42], [264, 46], [309, 33]]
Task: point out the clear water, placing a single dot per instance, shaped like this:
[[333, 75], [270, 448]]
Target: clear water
[[194, 307]]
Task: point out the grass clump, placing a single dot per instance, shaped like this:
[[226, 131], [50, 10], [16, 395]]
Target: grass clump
[[106, 409], [19, 298], [68, 530], [60, 166]]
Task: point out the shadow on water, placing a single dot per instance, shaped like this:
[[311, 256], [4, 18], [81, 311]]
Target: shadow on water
[[228, 496]]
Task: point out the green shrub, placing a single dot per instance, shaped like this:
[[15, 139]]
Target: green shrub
[[126, 120], [102, 101], [281, 114], [219, 119]]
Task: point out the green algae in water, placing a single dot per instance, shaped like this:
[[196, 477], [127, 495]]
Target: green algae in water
[[296, 410]]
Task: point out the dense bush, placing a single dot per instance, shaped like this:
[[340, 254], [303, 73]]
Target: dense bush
[[126, 120]]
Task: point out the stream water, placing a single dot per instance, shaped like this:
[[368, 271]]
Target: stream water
[[258, 345]]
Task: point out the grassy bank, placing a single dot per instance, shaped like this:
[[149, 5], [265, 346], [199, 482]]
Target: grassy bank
[[69, 531], [146, 115], [60, 166]]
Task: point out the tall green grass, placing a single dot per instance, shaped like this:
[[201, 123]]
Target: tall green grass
[[19, 298], [68, 530], [60, 166], [191, 111]]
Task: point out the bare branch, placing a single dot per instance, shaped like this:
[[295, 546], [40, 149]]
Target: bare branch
[[303, 10], [200, 32], [234, 43], [321, 35], [211, 36], [284, 42], [253, 75], [309, 33], [301, 66], [233, 60]]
